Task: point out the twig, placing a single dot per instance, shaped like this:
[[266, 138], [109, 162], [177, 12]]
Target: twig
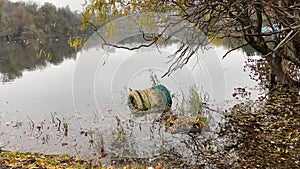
[[274, 32], [233, 49], [132, 48], [32, 123], [284, 41], [59, 124]]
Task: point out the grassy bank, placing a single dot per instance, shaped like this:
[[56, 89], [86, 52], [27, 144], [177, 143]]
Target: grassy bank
[[33, 160], [18, 160]]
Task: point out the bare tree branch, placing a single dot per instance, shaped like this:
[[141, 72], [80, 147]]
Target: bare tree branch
[[233, 49], [275, 32]]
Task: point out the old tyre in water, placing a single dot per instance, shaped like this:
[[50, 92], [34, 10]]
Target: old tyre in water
[[156, 98]]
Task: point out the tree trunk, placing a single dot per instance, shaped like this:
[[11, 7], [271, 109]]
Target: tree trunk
[[280, 72]]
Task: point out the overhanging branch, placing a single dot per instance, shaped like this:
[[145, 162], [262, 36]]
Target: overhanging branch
[[275, 32], [233, 49]]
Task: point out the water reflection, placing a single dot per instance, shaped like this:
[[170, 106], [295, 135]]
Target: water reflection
[[20, 56], [34, 107]]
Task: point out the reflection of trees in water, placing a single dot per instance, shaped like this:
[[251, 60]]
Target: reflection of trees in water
[[261, 71], [217, 42], [232, 43], [19, 56], [260, 67]]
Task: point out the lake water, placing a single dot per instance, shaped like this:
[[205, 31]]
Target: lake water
[[76, 103], [89, 95]]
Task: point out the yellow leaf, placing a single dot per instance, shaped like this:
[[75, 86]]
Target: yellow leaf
[[70, 41], [40, 54], [49, 56]]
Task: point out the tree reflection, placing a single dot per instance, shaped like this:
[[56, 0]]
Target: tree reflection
[[28, 55]]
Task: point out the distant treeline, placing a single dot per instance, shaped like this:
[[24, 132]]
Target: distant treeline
[[19, 21], [31, 36]]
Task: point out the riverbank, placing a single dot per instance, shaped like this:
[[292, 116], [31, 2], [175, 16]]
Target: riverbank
[[18, 160], [34, 160]]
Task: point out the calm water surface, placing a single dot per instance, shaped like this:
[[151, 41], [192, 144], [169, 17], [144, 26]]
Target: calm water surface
[[73, 106]]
